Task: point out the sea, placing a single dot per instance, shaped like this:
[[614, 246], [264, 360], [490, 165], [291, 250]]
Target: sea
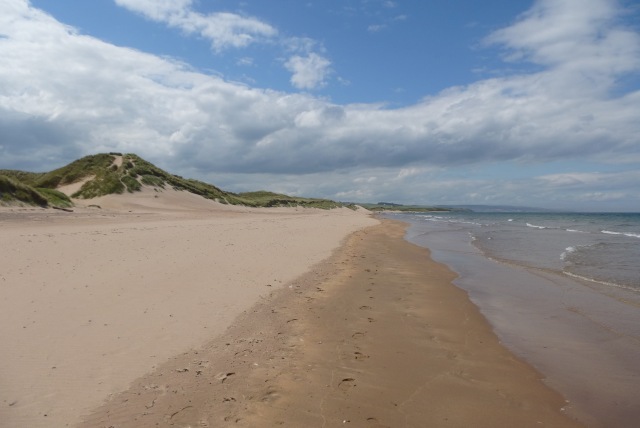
[[562, 291], [603, 247]]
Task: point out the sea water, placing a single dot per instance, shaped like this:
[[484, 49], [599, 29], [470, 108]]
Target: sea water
[[601, 247], [562, 290]]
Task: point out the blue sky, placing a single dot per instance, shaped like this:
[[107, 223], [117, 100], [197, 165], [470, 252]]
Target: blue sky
[[531, 103]]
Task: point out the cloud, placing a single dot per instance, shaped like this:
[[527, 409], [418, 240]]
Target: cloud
[[229, 30], [374, 28], [223, 29], [309, 72], [64, 94], [581, 40], [591, 180], [23, 135]]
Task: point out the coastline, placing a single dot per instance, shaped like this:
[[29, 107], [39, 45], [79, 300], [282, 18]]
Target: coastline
[[375, 335], [581, 336]]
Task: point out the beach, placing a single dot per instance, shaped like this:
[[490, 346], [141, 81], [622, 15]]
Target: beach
[[376, 335], [92, 300], [145, 312]]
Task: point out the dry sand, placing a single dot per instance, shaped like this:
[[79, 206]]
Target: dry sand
[[376, 335], [92, 300]]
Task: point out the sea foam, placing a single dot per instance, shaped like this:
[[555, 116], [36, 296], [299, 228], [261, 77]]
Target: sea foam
[[535, 227], [567, 251], [629, 234]]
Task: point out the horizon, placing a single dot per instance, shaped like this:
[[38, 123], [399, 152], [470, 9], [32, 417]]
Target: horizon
[[525, 103], [495, 208]]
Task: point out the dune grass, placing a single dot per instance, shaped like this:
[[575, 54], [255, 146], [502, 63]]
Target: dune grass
[[403, 208], [131, 175], [264, 198], [13, 191], [55, 198]]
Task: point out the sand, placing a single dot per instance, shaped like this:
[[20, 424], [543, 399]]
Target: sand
[[375, 336], [92, 300], [167, 310]]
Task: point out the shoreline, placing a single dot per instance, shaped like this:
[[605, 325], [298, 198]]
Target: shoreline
[[375, 335], [583, 338]]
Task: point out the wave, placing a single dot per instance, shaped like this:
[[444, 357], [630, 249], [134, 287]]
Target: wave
[[567, 251], [467, 222], [535, 227], [607, 283], [441, 219], [629, 234], [575, 231]]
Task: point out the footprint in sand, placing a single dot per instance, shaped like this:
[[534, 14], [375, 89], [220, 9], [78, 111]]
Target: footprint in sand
[[360, 356], [358, 335], [347, 383], [270, 395], [222, 377], [373, 422]]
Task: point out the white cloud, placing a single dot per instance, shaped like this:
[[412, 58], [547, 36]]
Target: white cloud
[[229, 30], [409, 172], [374, 28], [308, 72], [158, 10], [590, 180], [602, 196], [301, 45], [223, 29], [580, 40], [63, 94], [245, 61]]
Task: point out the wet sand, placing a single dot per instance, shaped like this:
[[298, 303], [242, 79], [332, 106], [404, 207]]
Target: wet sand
[[583, 337], [376, 335]]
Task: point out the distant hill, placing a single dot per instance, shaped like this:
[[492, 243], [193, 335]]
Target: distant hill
[[497, 208], [389, 206], [116, 173]]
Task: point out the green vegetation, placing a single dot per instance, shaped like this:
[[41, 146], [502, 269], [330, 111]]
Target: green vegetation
[[14, 191], [151, 175], [55, 198], [103, 176], [96, 165], [23, 177], [131, 183], [385, 206], [269, 199], [152, 180], [107, 183]]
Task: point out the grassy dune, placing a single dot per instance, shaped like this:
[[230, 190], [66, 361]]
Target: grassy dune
[[105, 176], [13, 191]]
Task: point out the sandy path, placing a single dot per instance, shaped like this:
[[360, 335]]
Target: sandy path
[[91, 301], [70, 189]]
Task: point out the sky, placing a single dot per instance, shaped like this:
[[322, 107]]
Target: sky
[[532, 103]]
